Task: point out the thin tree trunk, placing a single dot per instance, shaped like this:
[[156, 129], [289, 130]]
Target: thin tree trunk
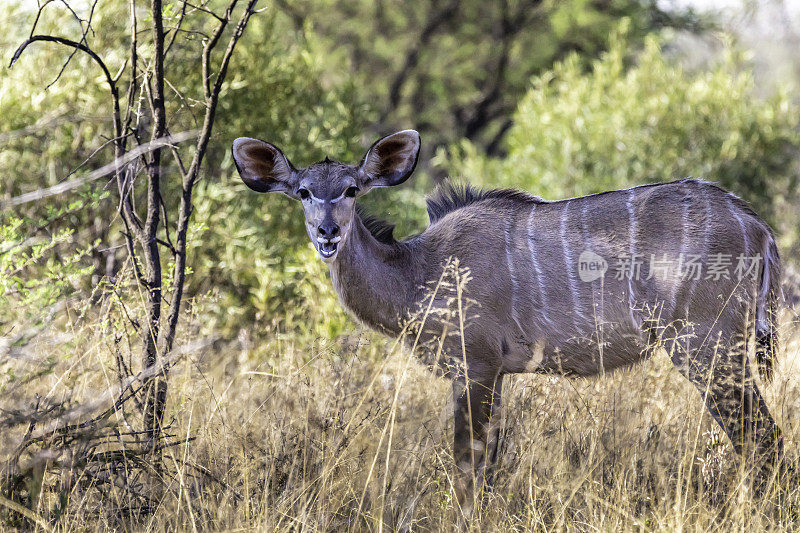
[[157, 390]]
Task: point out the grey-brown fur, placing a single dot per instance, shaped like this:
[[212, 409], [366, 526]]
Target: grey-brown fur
[[526, 310]]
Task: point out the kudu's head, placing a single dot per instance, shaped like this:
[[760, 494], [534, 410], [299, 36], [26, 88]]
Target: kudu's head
[[328, 189]]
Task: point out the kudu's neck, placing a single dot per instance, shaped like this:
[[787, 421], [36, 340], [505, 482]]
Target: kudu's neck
[[376, 281]]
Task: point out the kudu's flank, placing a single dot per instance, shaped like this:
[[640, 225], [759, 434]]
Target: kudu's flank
[[543, 297]]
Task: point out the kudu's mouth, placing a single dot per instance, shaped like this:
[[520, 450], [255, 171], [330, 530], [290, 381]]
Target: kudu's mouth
[[328, 247]]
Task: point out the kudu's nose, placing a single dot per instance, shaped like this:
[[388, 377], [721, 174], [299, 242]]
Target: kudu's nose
[[328, 230]]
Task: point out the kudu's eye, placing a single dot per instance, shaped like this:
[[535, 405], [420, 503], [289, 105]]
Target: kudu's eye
[[304, 194], [351, 192]]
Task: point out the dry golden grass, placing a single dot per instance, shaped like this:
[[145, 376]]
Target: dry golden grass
[[354, 434]]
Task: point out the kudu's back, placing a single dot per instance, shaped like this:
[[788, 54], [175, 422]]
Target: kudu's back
[[591, 283]]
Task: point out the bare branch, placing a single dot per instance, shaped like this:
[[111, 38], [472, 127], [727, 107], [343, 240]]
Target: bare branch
[[119, 144], [70, 43], [134, 58], [212, 43], [168, 244], [84, 32], [66, 422], [179, 271], [204, 10], [176, 29], [105, 170], [38, 16]]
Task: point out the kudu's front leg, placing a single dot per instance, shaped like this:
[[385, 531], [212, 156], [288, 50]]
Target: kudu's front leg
[[476, 436]]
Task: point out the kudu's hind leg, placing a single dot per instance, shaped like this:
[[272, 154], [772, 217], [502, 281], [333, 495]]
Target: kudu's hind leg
[[742, 413], [476, 437], [722, 376]]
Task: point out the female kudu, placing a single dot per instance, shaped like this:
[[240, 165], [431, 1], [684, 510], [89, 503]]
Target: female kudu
[[543, 296]]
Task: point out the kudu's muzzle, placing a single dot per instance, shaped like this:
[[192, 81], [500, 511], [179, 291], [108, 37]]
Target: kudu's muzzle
[[328, 238]]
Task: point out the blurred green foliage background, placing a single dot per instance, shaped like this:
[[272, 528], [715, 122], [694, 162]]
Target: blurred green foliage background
[[557, 98]]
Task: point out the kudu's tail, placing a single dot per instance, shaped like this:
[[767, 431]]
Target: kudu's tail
[[767, 308]]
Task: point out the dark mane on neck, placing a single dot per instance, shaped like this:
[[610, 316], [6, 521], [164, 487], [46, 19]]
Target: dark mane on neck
[[380, 229], [449, 197]]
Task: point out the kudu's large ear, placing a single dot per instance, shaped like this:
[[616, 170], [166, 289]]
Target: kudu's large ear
[[263, 166], [390, 161]]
